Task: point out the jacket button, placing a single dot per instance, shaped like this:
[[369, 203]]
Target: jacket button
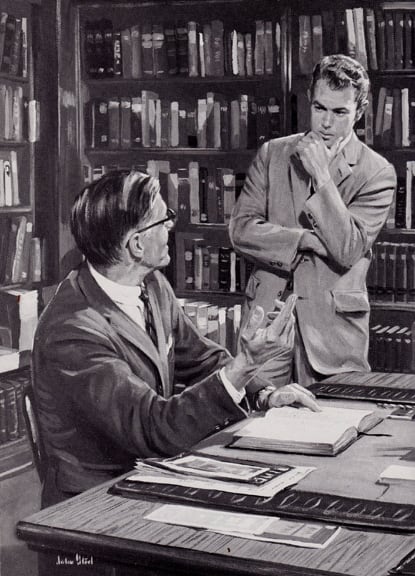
[[305, 259], [279, 293], [279, 264]]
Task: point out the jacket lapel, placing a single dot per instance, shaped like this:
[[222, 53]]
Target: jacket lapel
[[121, 323], [340, 168], [161, 336], [300, 184]]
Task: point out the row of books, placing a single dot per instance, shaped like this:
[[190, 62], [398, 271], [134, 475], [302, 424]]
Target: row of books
[[209, 122], [203, 195], [395, 118], [402, 210], [20, 252], [13, 45], [19, 313], [391, 275], [13, 113], [390, 348], [212, 268], [9, 179], [12, 423], [380, 39], [158, 50], [219, 323]]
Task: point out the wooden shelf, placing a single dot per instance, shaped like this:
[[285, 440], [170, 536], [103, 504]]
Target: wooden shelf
[[402, 306], [15, 209], [212, 295], [176, 79], [168, 151], [13, 78], [13, 143]]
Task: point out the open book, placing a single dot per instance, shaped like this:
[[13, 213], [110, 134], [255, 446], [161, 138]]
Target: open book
[[290, 429]]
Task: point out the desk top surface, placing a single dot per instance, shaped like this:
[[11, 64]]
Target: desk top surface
[[104, 524]]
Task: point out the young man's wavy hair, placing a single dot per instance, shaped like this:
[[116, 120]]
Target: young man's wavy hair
[[340, 71]]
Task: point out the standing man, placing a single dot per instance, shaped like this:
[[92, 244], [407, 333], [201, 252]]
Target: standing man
[[113, 341], [310, 209]]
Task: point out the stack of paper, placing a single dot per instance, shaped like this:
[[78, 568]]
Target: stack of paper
[[197, 471]]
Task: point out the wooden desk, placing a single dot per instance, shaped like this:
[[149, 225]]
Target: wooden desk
[[112, 528]]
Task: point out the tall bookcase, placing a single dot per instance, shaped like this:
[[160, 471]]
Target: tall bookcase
[[20, 244], [181, 96], [381, 36]]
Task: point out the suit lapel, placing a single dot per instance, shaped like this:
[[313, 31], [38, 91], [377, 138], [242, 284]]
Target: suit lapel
[[340, 168], [300, 185], [122, 323], [161, 336]]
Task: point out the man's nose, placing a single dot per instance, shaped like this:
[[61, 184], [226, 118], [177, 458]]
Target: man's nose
[[169, 224], [327, 118]]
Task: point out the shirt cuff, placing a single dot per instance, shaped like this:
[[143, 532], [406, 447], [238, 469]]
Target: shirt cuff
[[236, 395]]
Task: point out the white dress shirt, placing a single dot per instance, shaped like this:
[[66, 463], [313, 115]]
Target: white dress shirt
[[128, 298]]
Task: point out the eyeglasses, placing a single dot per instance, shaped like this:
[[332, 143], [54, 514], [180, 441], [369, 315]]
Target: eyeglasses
[[170, 216]]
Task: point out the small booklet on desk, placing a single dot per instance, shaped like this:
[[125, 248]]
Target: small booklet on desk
[[299, 430], [208, 473]]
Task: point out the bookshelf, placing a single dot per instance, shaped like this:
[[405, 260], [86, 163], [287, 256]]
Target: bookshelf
[[21, 247], [379, 35], [198, 86]]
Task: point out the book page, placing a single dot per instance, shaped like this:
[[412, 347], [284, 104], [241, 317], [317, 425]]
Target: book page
[[289, 424]]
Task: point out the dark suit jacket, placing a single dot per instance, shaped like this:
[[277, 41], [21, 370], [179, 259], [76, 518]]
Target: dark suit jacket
[[104, 392], [346, 214]]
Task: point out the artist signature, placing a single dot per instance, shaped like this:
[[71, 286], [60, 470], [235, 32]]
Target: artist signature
[[75, 560]]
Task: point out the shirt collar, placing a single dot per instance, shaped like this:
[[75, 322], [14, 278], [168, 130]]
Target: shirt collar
[[119, 293]]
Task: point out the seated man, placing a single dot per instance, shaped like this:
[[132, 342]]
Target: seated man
[[113, 340]]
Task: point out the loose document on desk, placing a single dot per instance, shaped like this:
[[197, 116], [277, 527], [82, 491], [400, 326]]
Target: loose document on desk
[[250, 526]]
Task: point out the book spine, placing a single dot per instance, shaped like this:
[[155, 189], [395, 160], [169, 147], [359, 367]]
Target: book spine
[[127, 55], [136, 57], [305, 50], [259, 49], [117, 52], [125, 119], [182, 49], [194, 192], [147, 49], [316, 38], [114, 123], [171, 48], [192, 49], [160, 64]]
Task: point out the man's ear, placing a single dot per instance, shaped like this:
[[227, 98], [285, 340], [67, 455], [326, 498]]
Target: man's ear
[[309, 95], [361, 110], [134, 245]]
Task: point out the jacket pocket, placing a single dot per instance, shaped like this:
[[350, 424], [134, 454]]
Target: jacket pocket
[[351, 301], [251, 286]]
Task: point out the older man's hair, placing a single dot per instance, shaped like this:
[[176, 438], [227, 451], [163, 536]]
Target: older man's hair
[[106, 210], [340, 71]]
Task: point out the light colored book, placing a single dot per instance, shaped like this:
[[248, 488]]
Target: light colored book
[[396, 474], [9, 359], [300, 430]]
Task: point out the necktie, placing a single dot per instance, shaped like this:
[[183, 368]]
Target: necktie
[[148, 315]]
